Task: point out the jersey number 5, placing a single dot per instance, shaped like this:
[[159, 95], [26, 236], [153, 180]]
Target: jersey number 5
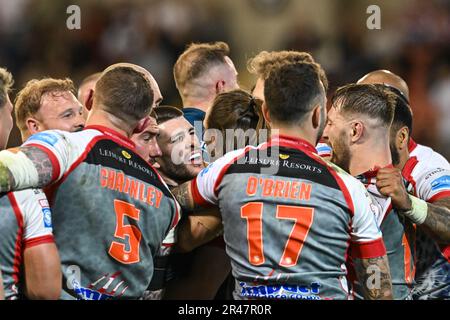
[[303, 219], [117, 250]]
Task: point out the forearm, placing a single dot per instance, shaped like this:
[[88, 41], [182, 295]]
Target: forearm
[[42, 271], [24, 167], [375, 277], [434, 218], [197, 230]]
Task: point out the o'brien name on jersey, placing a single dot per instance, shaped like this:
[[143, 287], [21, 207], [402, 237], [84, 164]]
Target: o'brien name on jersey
[[279, 188]]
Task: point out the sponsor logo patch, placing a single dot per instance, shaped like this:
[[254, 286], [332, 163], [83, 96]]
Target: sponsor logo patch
[[126, 154], [441, 183], [47, 214], [46, 137]]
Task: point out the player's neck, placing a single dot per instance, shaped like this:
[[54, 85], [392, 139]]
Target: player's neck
[[368, 156], [200, 103], [170, 182], [102, 118], [295, 132]]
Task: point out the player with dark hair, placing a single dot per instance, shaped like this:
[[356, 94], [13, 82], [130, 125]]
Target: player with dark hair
[[358, 133], [288, 221], [427, 175]]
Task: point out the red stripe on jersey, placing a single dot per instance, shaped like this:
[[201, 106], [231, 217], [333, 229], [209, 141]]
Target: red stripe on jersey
[[439, 196], [114, 135], [56, 169], [176, 218], [411, 145], [18, 247], [446, 253], [370, 249], [197, 197], [29, 243], [292, 142]]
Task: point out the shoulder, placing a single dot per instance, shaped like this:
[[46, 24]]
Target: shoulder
[[429, 157]]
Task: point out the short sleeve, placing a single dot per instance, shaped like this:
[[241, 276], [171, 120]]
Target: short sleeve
[[204, 186], [433, 184], [37, 217], [57, 146]]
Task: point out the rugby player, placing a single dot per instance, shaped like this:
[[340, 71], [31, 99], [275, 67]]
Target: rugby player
[[292, 235], [48, 104], [358, 133], [201, 72], [29, 258], [423, 153], [199, 274], [260, 66], [112, 209], [427, 175]]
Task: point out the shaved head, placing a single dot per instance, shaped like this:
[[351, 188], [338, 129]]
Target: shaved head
[[153, 84], [388, 78]]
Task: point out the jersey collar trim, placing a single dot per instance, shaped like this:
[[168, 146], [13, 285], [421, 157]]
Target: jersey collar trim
[[369, 177], [113, 134], [411, 145], [293, 142]]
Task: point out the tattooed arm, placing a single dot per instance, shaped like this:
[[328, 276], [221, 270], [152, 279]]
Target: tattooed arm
[[200, 226], [375, 278], [437, 221], [24, 167]]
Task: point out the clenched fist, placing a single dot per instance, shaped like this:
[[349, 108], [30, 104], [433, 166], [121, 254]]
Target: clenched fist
[[390, 184]]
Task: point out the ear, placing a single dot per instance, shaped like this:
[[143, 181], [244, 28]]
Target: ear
[[89, 100], [141, 125], [220, 87], [402, 138], [317, 111], [266, 113], [33, 125], [356, 130]]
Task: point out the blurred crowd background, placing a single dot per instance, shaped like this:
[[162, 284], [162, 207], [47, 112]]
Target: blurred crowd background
[[414, 42]]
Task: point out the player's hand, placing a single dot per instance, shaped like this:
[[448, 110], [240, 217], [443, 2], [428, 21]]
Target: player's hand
[[390, 184]]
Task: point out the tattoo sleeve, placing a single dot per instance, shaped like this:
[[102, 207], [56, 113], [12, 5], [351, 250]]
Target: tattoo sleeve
[[41, 162], [183, 194], [375, 278], [437, 220], [6, 179]]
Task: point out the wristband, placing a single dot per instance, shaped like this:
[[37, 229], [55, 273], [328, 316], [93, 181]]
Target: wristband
[[418, 211]]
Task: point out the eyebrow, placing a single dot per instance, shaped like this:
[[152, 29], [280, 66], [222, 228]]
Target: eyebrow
[[175, 136], [65, 111]]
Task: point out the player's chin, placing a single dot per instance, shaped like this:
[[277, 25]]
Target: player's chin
[[194, 169]]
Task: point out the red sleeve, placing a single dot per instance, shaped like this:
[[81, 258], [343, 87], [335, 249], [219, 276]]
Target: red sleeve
[[38, 241], [370, 249], [197, 197]]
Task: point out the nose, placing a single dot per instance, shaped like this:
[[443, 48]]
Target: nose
[[154, 149]]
